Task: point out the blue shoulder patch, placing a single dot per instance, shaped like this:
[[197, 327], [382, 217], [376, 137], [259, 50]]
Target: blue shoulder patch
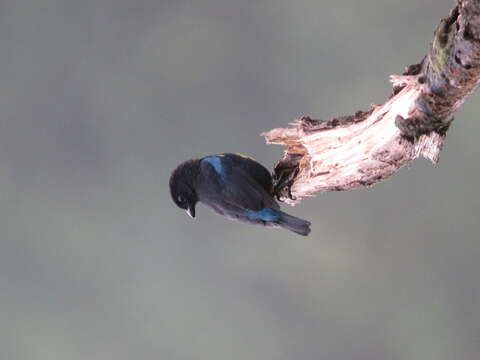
[[266, 214], [216, 163]]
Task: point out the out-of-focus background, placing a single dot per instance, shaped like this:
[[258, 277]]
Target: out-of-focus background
[[101, 99]]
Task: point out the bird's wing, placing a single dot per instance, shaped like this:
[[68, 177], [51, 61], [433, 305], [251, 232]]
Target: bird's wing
[[256, 170], [226, 183]]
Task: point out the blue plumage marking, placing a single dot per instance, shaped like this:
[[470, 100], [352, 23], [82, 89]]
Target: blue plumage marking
[[266, 214], [216, 163]]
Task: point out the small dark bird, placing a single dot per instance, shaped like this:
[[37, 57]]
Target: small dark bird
[[234, 186]]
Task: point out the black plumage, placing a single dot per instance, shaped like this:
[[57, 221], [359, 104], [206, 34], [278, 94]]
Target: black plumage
[[234, 186]]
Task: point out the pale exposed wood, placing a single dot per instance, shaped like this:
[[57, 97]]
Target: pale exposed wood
[[349, 152]]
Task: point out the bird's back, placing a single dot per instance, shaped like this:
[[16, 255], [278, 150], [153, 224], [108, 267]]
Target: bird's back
[[236, 180], [255, 170]]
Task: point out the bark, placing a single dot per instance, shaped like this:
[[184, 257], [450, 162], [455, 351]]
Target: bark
[[349, 152]]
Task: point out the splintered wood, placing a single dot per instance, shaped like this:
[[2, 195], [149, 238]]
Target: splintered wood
[[355, 151]]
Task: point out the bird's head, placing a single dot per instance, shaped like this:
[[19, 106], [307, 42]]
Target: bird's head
[[182, 187]]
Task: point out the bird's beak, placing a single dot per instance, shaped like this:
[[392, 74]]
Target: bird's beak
[[191, 211]]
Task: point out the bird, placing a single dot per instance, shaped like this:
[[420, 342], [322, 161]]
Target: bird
[[234, 186]]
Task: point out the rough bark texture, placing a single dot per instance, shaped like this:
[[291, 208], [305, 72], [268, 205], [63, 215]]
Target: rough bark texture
[[349, 152]]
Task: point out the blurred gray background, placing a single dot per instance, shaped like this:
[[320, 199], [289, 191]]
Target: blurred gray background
[[101, 99]]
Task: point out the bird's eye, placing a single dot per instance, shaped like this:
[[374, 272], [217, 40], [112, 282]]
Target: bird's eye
[[180, 199]]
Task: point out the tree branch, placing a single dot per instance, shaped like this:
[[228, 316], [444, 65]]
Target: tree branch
[[355, 151]]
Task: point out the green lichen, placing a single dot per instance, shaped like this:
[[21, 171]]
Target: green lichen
[[441, 47]]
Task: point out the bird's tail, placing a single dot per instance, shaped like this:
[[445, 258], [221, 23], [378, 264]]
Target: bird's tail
[[294, 224]]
